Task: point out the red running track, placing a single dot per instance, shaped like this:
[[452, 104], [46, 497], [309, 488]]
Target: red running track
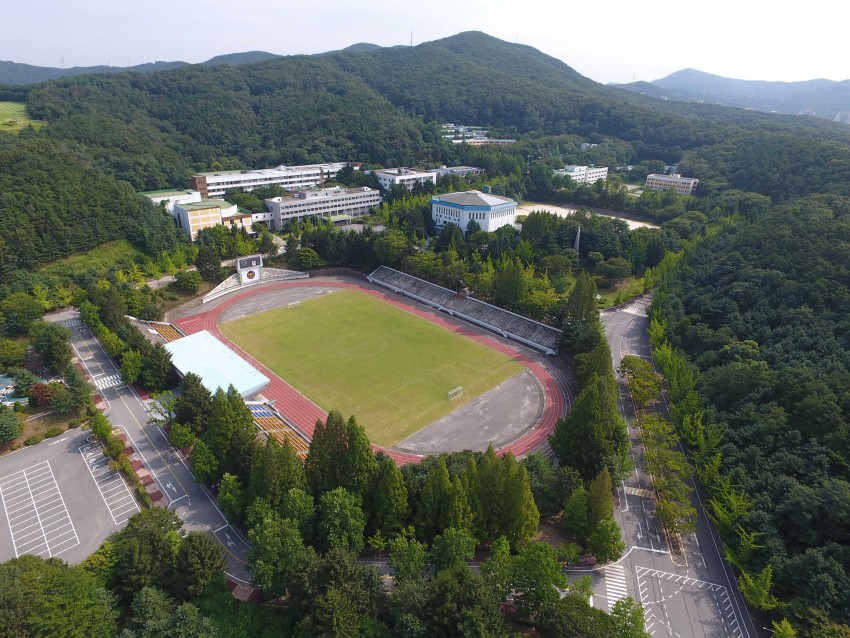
[[304, 413]]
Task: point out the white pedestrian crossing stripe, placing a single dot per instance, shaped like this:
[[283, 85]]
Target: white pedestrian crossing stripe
[[108, 382], [636, 309], [615, 584], [73, 323]]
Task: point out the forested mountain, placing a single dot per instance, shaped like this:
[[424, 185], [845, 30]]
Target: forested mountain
[[822, 98], [17, 73]]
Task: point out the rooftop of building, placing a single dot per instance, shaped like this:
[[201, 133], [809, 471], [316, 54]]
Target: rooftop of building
[[216, 364], [207, 203], [313, 193], [275, 170], [396, 172], [173, 192], [474, 198]]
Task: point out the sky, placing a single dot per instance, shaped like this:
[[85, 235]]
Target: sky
[[613, 41]]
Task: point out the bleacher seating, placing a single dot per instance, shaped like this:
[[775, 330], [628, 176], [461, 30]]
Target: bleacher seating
[[167, 331], [278, 428], [503, 322]]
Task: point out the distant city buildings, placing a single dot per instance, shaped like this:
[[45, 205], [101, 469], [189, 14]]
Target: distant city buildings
[[336, 204], [489, 211], [583, 174], [407, 177], [472, 135], [287, 177], [683, 185], [587, 146]]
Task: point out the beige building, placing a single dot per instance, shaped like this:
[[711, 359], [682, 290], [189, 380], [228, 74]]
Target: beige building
[[337, 204], [192, 217], [407, 177], [170, 198], [683, 185]]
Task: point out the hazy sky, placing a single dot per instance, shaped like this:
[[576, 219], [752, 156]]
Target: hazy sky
[[613, 41]]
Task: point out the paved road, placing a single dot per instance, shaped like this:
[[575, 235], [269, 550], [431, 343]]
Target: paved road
[[691, 595], [126, 409]]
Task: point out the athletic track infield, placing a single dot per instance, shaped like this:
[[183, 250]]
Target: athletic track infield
[[304, 413]]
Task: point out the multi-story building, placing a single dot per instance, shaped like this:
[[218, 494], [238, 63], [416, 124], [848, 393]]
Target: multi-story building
[[472, 135], [336, 204], [407, 177], [462, 171], [584, 174], [683, 185], [489, 211], [288, 177], [169, 198], [192, 217]]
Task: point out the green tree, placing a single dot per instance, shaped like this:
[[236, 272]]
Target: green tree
[[162, 409], [300, 507], [536, 574], [389, 500], [277, 553], [783, 629], [21, 311], [188, 281], [576, 519], [458, 512], [644, 384], [606, 542], [453, 549], [231, 498], [10, 425], [341, 522], [325, 462], [628, 620], [756, 589], [208, 262], [157, 369], [199, 562], [520, 517], [407, 556], [600, 500], [433, 502], [52, 343], [497, 571], [12, 354], [193, 404], [579, 438], [580, 315], [360, 464], [147, 549], [204, 464], [275, 469], [181, 436], [131, 366], [100, 427]]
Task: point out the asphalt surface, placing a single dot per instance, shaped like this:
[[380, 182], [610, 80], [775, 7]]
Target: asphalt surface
[[693, 594], [126, 409]]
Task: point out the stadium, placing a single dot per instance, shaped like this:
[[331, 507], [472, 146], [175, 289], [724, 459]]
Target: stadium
[[424, 370]]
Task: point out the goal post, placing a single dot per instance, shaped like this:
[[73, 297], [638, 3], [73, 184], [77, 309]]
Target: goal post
[[454, 394]]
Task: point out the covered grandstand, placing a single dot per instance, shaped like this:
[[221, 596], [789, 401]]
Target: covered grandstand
[[508, 324], [273, 424]]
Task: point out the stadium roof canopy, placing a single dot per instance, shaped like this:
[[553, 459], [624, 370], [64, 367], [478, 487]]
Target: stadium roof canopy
[[216, 364]]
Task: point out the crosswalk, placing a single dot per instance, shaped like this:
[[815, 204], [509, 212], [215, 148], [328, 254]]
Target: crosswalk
[[637, 491], [615, 584], [638, 309], [111, 381], [72, 323]]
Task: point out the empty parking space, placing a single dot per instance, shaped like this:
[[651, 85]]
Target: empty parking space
[[113, 488], [35, 512]]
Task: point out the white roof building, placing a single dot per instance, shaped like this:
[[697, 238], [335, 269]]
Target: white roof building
[[337, 204], [216, 364], [407, 177], [683, 185], [583, 174], [169, 198], [206, 213], [487, 210], [288, 177]]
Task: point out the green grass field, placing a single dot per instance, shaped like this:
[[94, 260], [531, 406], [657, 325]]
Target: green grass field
[[13, 117], [389, 368]]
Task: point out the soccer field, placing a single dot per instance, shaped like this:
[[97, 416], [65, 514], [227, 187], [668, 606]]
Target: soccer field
[[389, 368]]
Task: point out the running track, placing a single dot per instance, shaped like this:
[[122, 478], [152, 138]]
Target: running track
[[304, 413]]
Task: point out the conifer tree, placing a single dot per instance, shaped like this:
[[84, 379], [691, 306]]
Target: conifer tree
[[324, 466], [360, 464], [433, 502], [472, 485], [520, 516], [458, 512], [220, 427], [389, 500], [600, 502], [490, 494], [575, 519], [193, 404], [578, 439]]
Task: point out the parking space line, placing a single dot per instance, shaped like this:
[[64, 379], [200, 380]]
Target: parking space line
[[37, 516], [111, 486]]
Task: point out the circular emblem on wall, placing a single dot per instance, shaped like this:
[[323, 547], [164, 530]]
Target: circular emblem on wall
[[251, 274]]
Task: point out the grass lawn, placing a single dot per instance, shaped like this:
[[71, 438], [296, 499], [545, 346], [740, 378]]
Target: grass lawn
[[100, 259], [389, 368], [13, 117]]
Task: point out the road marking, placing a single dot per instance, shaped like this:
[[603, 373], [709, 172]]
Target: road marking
[[637, 491], [112, 487], [112, 381], [615, 584], [36, 513]]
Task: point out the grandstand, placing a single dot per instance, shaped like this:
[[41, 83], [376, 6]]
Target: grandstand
[[508, 324], [157, 331], [275, 426]]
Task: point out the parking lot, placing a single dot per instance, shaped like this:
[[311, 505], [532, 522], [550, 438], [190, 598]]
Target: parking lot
[[35, 511], [56, 502], [116, 494]]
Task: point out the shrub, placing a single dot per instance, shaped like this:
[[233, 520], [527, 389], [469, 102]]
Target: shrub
[[114, 447], [55, 430], [74, 423], [34, 439]]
